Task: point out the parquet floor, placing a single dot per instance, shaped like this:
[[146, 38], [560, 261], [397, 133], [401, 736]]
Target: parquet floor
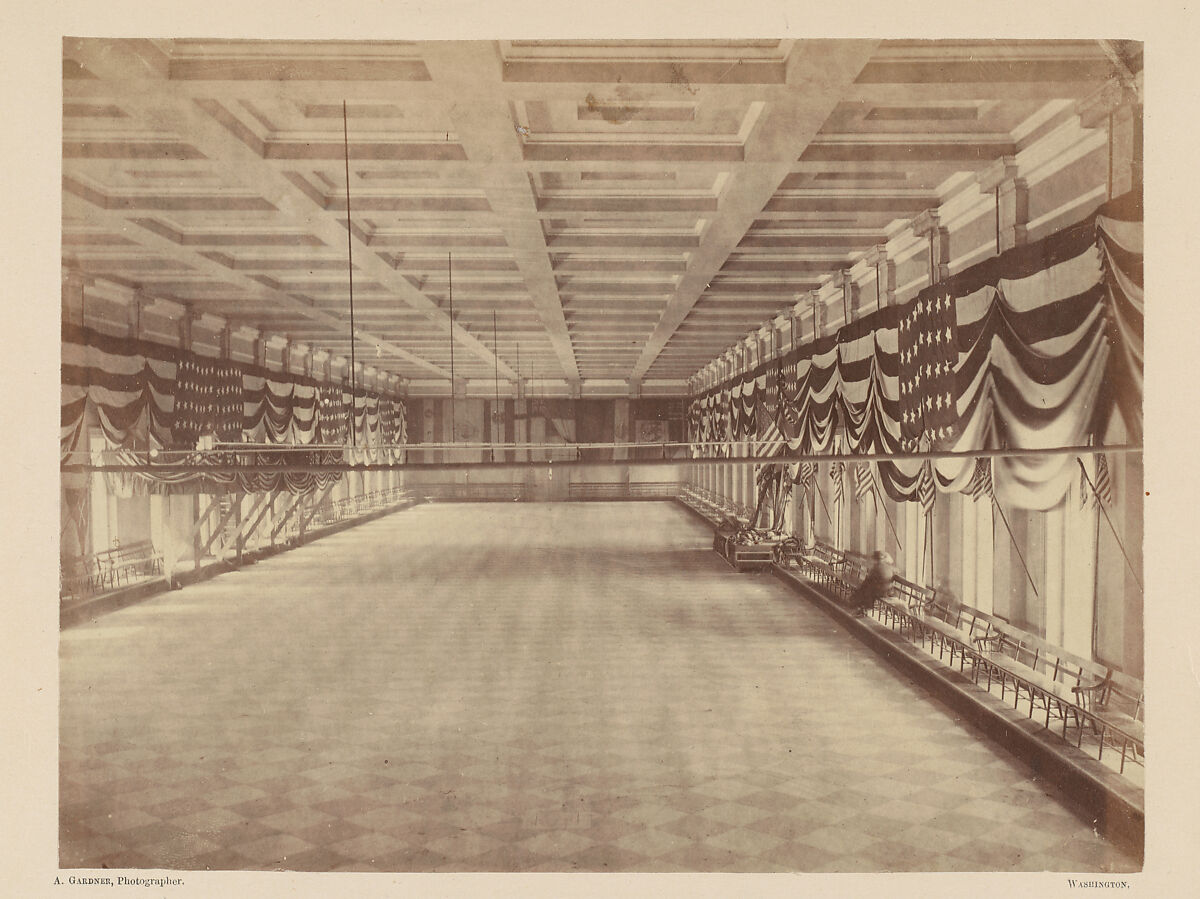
[[518, 687]]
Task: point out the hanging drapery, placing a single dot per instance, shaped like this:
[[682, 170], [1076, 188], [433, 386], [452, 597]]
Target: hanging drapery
[[129, 384], [1119, 226], [333, 417], [148, 397], [143, 478], [304, 413], [868, 383], [208, 401], [277, 411], [808, 396], [1032, 349], [1032, 355]]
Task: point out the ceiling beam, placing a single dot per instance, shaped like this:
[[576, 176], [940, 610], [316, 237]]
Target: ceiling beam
[[208, 126], [469, 75], [785, 129], [199, 262], [1072, 78]]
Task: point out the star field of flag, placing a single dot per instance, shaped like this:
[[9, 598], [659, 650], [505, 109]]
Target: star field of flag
[[208, 400], [333, 416], [927, 340]]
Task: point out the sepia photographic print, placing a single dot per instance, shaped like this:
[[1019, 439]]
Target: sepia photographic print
[[601, 456]]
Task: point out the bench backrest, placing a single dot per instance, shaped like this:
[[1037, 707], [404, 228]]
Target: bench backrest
[[826, 553], [78, 566], [139, 550], [918, 598], [1126, 695], [854, 571]]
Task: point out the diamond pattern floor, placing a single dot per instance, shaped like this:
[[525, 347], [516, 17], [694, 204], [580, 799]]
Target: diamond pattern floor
[[518, 687]]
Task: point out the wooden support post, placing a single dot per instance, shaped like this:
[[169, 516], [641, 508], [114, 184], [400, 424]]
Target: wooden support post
[[288, 513], [216, 532], [194, 536], [237, 520], [257, 514], [312, 511]]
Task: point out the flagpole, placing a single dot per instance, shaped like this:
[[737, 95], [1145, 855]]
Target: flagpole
[[841, 503], [450, 287], [883, 505], [350, 269], [824, 505], [929, 539], [1111, 527], [924, 548], [1012, 538]]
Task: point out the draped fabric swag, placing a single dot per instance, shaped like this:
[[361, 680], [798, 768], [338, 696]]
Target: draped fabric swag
[[147, 396], [1032, 349]]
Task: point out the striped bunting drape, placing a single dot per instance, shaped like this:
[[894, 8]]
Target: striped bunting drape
[[981, 482], [837, 471], [1045, 342], [863, 480], [1101, 481], [149, 396], [129, 384]]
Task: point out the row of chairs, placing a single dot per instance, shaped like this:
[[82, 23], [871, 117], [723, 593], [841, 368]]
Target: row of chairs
[[109, 569], [1091, 697]]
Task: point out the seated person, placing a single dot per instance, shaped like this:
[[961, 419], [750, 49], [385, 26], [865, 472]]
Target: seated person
[[876, 585]]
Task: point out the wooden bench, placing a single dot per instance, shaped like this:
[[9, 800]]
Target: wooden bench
[[705, 503], [1118, 703], [78, 576], [850, 571], [109, 569], [949, 626], [135, 560], [1078, 692], [582, 490], [653, 489], [907, 602], [819, 563]]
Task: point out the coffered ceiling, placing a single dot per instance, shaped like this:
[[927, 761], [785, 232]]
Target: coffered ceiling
[[625, 209]]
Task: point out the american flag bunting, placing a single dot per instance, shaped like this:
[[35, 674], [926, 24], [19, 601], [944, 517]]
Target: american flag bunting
[[864, 481], [208, 400], [981, 481], [927, 340], [836, 472], [925, 488], [1101, 482]]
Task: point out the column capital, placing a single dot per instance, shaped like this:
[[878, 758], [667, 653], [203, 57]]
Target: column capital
[[208, 320], [926, 223], [993, 176], [1094, 109], [885, 274], [75, 277], [876, 255]]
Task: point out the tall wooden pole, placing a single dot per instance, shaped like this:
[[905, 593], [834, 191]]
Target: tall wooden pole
[[350, 267]]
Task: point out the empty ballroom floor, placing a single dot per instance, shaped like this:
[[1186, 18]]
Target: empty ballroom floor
[[520, 687]]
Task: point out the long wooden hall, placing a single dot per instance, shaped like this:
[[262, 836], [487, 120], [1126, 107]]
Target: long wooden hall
[[602, 456]]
